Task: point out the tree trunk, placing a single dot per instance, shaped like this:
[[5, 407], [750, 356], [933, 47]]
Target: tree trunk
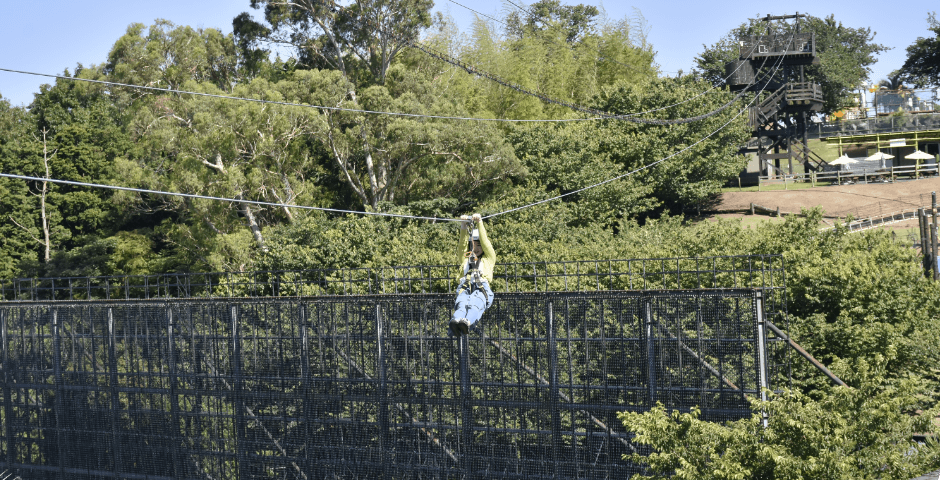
[[47, 242], [253, 225], [370, 167], [290, 197]]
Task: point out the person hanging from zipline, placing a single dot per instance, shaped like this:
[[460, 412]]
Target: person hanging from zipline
[[476, 258]]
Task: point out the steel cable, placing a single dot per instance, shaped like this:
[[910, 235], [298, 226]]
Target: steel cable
[[776, 68], [441, 56], [290, 104], [220, 199], [713, 87], [593, 111], [304, 207]]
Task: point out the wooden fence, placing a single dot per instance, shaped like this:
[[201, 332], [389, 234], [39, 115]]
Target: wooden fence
[[850, 177]]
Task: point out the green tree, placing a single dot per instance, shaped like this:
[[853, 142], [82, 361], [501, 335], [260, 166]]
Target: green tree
[[72, 131], [540, 57], [167, 56], [572, 156], [227, 149], [87, 131], [577, 21], [18, 155], [359, 40], [922, 66], [381, 159], [394, 159]]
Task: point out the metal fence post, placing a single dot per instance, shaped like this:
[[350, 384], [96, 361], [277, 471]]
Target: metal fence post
[[925, 242], [7, 394], [553, 388], [924, 253], [761, 350], [934, 254], [240, 431], [174, 399], [113, 392], [305, 378], [57, 372], [650, 351], [383, 390], [933, 249], [467, 412]]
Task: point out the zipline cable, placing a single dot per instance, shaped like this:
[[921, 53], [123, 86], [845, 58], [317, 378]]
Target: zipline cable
[[478, 13], [725, 125], [713, 87], [598, 114], [334, 210], [290, 104], [219, 199], [573, 106], [444, 57], [323, 209]]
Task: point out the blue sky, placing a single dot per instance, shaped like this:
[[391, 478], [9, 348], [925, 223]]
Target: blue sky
[[51, 36]]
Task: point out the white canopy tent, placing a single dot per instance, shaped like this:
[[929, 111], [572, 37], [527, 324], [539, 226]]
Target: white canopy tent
[[843, 160], [881, 156], [919, 155]]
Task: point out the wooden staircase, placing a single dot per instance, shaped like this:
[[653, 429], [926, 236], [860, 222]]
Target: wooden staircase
[[778, 118], [811, 160]]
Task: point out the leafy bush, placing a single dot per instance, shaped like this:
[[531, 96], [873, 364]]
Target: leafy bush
[[849, 433]]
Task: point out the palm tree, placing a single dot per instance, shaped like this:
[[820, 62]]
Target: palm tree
[[893, 82], [891, 92]]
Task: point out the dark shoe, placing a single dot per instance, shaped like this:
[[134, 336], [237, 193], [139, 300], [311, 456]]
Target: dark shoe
[[463, 326], [453, 328]]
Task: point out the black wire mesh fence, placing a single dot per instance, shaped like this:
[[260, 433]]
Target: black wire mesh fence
[[370, 386], [746, 271]]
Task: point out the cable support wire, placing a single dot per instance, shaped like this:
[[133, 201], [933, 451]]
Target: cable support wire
[[645, 167], [290, 104], [218, 199], [479, 13], [598, 115], [713, 87], [383, 214], [282, 205], [600, 59], [574, 106]]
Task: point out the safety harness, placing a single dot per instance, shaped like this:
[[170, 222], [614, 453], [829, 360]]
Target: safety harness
[[473, 270], [473, 267]]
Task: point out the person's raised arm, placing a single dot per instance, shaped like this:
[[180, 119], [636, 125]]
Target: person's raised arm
[[488, 250], [464, 236]]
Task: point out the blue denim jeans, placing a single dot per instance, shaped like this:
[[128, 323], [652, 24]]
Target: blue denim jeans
[[472, 300]]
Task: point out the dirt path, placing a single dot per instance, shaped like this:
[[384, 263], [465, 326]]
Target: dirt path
[[838, 200]]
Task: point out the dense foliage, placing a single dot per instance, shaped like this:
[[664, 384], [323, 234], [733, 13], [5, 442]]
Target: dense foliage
[[851, 433], [859, 302], [354, 57]]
